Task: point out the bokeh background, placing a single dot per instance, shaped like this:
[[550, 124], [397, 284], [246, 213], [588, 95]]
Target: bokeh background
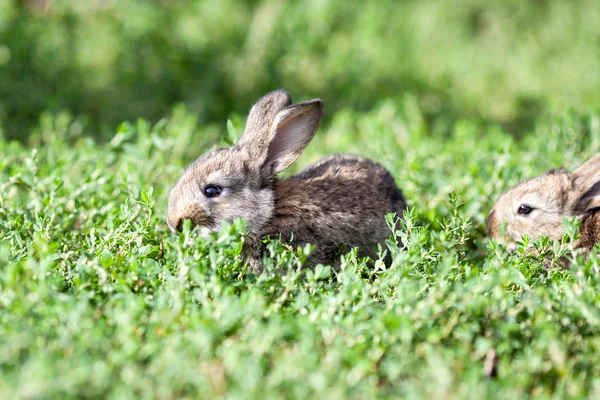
[[109, 61]]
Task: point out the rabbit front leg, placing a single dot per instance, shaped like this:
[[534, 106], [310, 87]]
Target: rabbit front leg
[[253, 255]]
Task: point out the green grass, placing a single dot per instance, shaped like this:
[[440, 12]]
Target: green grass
[[99, 300]]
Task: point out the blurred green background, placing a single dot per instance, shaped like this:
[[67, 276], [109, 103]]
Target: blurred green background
[[107, 61]]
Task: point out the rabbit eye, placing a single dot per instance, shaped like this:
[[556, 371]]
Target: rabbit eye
[[212, 191], [524, 209]]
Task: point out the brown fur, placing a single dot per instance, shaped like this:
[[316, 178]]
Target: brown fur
[[335, 204], [589, 232], [556, 195]]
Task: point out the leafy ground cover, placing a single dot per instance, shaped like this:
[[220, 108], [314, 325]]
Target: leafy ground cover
[[98, 300]]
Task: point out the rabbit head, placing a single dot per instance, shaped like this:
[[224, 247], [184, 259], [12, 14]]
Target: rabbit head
[[536, 207], [237, 181]]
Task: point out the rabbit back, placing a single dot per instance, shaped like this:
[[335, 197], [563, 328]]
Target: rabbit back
[[337, 204]]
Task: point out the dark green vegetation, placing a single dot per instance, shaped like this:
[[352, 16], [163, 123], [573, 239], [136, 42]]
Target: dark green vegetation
[[110, 61], [98, 300]]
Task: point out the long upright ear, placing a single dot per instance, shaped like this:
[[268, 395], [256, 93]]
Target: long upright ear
[[587, 182], [292, 131], [589, 168], [257, 135]]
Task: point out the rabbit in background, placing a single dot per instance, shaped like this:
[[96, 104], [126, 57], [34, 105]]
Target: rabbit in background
[[536, 207], [337, 203]]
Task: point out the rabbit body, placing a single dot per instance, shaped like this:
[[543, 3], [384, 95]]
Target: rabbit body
[[336, 204], [536, 207], [589, 232]]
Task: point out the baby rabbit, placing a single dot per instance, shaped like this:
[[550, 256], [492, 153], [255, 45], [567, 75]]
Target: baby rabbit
[[338, 203], [537, 206]]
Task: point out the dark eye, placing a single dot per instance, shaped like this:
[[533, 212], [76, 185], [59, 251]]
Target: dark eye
[[212, 191], [524, 209]]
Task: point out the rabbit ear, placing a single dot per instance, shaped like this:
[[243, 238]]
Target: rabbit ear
[[257, 135], [590, 168], [277, 132], [292, 131], [590, 199], [587, 179]]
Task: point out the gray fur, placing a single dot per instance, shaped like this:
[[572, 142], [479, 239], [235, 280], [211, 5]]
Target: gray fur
[[336, 204]]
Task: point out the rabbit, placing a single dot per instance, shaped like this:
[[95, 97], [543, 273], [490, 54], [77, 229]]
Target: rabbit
[[536, 207], [337, 203]]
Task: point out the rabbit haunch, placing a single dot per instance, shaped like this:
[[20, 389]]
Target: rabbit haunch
[[536, 207], [336, 204]]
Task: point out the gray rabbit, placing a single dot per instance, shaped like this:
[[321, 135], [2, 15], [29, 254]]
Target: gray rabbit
[[338, 203]]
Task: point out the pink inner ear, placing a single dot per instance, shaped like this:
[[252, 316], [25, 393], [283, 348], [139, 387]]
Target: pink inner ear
[[292, 135]]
